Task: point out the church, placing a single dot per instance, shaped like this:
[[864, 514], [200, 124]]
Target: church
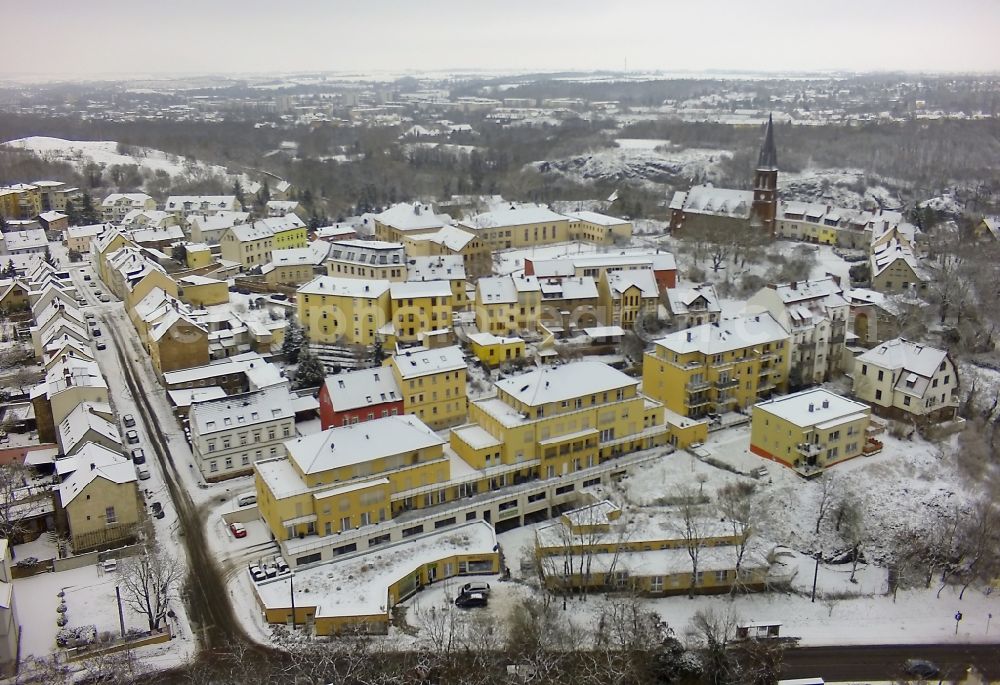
[[707, 208]]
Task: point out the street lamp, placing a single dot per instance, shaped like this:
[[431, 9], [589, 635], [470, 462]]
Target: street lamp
[[818, 555]]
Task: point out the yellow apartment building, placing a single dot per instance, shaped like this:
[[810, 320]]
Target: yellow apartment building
[[372, 259], [560, 420], [197, 255], [452, 241], [810, 430], [627, 296], [21, 200], [343, 310], [292, 235], [295, 266], [404, 219], [202, 291], [569, 302], [420, 307], [247, 244], [518, 226], [507, 304], [494, 351], [433, 384], [598, 228], [593, 548], [9, 207], [718, 367]]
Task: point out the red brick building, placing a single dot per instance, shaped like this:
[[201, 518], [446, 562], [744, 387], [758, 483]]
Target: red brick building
[[359, 396]]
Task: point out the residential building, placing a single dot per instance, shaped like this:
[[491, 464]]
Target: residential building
[[662, 264], [202, 291], [370, 259], [283, 207], [404, 219], [625, 297], [10, 627], [815, 314], [78, 237], [569, 303], [357, 396], [336, 233], [149, 219], [68, 383], [55, 195], [452, 241], [598, 228], [896, 269], [419, 307], [115, 206], [450, 268], [54, 222], [132, 276], [716, 368], [907, 380], [596, 548], [507, 304], [828, 225], [560, 420], [694, 305], [197, 255], [21, 201], [811, 430], [493, 350], [99, 500], [32, 241], [203, 205], [433, 384], [874, 317], [88, 423], [297, 265], [158, 238], [177, 341], [252, 244], [518, 226], [229, 435], [343, 310], [208, 228]]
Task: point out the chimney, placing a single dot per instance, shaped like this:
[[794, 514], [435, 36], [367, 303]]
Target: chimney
[[689, 335], [826, 404], [794, 285], [93, 466], [812, 407]]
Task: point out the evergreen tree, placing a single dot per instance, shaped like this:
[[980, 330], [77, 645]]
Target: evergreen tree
[[48, 257], [88, 215], [75, 256], [377, 353], [264, 194], [294, 340], [9, 271], [73, 216], [238, 192], [3, 224], [179, 253], [309, 372]]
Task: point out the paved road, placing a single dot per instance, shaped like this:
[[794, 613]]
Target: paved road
[[884, 662]]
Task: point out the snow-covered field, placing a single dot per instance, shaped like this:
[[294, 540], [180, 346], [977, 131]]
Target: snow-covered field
[[79, 153]]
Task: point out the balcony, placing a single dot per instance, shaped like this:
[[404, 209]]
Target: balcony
[[807, 345], [697, 401], [809, 449], [724, 383], [765, 370], [697, 386]]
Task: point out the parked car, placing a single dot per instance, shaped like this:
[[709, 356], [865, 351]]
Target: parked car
[[159, 514], [132, 437], [101, 346], [91, 315], [282, 566], [104, 298], [86, 277], [156, 506], [247, 499], [257, 573], [142, 472], [270, 571], [476, 586], [96, 332], [280, 297], [129, 421], [238, 529], [138, 456], [93, 284], [470, 600], [921, 668]]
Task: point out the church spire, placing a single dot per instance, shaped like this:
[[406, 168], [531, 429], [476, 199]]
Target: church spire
[[768, 158]]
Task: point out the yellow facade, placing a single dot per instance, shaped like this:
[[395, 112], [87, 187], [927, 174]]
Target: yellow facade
[[623, 306], [290, 274], [198, 257], [154, 279], [494, 236], [701, 371], [346, 311], [506, 304], [9, 208], [435, 393], [249, 253], [600, 233], [204, 294], [87, 514], [20, 201], [493, 351], [418, 309], [290, 238]]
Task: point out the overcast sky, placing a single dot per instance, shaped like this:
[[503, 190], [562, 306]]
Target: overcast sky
[[211, 36]]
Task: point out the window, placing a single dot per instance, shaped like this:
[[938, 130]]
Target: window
[[878, 394], [656, 584], [229, 462], [906, 401], [345, 523], [213, 466], [109, 516], [246, 460], [881, 374]]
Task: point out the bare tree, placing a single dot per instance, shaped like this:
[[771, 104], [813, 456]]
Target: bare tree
[[691, 526], [151, 579], [741, 510], [854, 530], [20, 501], [827, 498], [714, 630], [979, 542]]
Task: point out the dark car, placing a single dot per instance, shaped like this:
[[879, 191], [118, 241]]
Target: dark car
[[470, 600], [159, 514], [156, 507], [257, 573], [921, 668], [101, 346]]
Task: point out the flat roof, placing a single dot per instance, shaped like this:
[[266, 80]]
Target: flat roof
[[814, 407]]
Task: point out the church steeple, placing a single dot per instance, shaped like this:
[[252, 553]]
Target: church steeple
[[768, 158], [765, 182]]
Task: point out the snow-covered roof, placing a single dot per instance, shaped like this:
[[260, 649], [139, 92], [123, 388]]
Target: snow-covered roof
[[187, 397], [100, 463], [813, 407], [176, 203], [133, 199], [621, 281], [725, 335], [900, 354], [707, 199], [195, 279], [360, 443], [513, 215], [170, 319], [335, 231], [31, 239], [345, 287], [575, 288], [566, 382], [313, 255], [889, 253], [363, 388], [486, 339], [444, 267], [407, 216], [243, 410], [567, 266], [414, 289], [680, 299], [72, 372], [413, 363], [52, 215], [74, 428], [155, 235], [595, 218], [505, 289], [368, 252]]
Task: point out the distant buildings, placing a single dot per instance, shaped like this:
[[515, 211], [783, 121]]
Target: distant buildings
[[115, 206]]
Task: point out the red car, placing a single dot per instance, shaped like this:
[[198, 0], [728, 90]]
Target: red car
[[239, 530]]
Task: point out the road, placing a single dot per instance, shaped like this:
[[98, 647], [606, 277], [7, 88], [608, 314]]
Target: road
[[884, 662]]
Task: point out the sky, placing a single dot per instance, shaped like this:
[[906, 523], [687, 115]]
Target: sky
[[105, 37]]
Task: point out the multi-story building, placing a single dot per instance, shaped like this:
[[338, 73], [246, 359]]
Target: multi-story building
[[69, 382], [810, 430], [895, 269], [31, 241], [78, 237], [21, 201], [625, 297], [55, 195], [115, 206], [720, 367], [598, 228], [693, 306], [204, 205], [433, 384], [131, 276], [252, 244], [815, 315], [903, 379], [208, 228], [662, 264], [419, 307], [297, 265], [569, 302], [518, 226], [357, 396], [507, 304], [229, 435], [560, 419], [370, 259], [828, 225], [99, 500], [405, 219], [202, 291], [343, 310], [450, 268], [10, 627], [451, 241]]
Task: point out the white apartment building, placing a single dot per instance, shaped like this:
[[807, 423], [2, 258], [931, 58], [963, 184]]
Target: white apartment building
[[907, 380], [230, 434], [115, 206]]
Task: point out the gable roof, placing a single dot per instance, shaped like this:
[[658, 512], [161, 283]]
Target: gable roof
[[422, 362], [559, 383], [101, 463], [901, 354], [364, 388], [725, 335]]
